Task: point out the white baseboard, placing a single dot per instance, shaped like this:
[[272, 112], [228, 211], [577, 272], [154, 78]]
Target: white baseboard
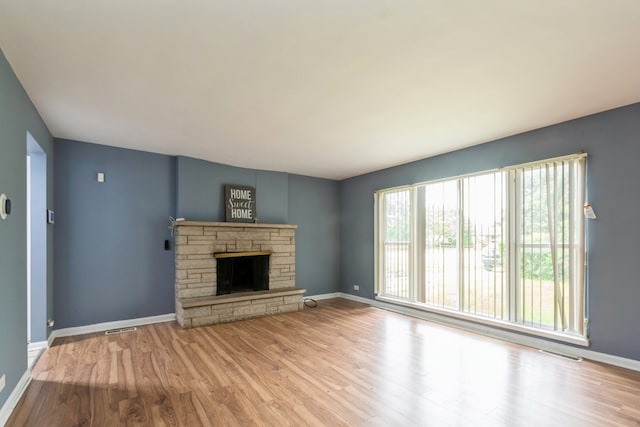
[[52, 337], [34, 351], [323, 296], [505, 335], [14, 398], [100, 327], [356, 298]]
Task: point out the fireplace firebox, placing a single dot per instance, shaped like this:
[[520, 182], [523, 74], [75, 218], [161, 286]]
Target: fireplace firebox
[[240, 272]]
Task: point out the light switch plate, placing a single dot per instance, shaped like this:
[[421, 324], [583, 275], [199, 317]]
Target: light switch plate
[[2, 382]]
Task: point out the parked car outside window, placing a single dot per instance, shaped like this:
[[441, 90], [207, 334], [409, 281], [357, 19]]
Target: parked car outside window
[[491, 257]]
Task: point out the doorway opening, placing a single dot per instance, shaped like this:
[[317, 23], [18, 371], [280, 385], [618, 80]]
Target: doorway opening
[[36, 248]]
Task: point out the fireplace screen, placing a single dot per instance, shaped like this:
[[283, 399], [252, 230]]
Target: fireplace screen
[[242, 274]]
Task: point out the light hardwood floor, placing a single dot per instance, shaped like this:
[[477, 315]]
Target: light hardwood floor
[[341, 364]]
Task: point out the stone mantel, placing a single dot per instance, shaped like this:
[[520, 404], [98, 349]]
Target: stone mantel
[[197, 242], [232, 224]]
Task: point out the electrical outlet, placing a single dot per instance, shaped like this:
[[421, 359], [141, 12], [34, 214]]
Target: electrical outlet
[[2, 382], [356, 287]]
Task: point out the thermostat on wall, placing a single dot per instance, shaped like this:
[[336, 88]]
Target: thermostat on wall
[[50, 216], [5, 206]]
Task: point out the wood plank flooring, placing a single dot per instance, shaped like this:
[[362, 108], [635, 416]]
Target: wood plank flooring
[[341, 364]]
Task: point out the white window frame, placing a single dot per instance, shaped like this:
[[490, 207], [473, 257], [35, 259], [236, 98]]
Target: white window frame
[[513, 235]]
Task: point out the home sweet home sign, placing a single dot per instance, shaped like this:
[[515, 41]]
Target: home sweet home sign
[[240, 203]]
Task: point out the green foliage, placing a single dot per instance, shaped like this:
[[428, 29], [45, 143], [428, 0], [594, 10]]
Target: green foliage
[[538, 266], [397, 216], [397, 231]]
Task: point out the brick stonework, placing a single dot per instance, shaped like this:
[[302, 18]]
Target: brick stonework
[[195, 281]]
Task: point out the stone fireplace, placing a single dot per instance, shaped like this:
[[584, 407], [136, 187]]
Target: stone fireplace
[[235, 253]]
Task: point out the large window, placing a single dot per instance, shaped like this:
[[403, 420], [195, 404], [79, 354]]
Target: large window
[[504, 246]]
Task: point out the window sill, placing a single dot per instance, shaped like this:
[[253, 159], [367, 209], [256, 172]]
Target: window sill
[[472, 320]]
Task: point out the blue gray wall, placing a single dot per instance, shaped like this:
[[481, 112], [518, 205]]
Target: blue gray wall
[[314, 204], [110, 258], [110, 262], [612, 140], [311, 203], [200, 190], [17, 117]]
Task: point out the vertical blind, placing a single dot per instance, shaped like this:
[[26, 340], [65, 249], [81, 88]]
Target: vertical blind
[[505, 245]]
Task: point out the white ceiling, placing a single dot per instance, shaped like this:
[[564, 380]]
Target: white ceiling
[[327, 88]]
